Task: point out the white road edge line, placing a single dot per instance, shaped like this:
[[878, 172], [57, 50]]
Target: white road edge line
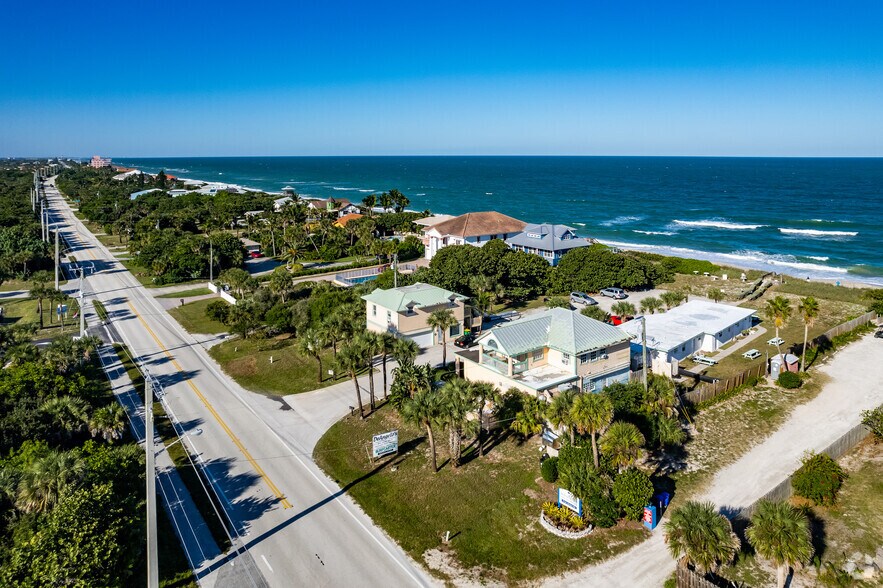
[[266, 562]]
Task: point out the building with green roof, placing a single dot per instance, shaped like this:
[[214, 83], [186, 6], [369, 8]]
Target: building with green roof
[[404, 311], [548, 351]]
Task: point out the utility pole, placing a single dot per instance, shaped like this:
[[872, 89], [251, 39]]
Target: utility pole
[[395, 270], [57, 258], [82, 302], [211, 261], [152, 564], [42, 221], [644, 350]]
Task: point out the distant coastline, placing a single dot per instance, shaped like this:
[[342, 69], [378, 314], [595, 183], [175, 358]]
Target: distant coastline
[[737, 213]]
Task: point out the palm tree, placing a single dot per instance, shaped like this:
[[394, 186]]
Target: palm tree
[[778, 310], [67, 412], [40, 291], [369, 342], [351, 359], [337, 326], [405, 351], [595, 312], [46, 478], [529, 420], [809, 310], [650, 305], [671, 299], [457, 406], [623, 308], [424, 410], [483, 392], [560, 411], [442, 320], [622, 443], [696, 534], [312, 342], [660, 397], [780, 533], [716, 294], [592, 413], [109, 422], [387, 346]]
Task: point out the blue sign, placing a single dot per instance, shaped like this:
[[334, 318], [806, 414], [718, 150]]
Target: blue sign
[[569, 499], [650, 518]]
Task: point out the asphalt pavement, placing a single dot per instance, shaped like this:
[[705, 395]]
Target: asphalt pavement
[[296, 526]]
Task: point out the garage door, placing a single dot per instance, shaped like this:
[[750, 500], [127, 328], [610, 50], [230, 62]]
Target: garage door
[[424, 339]]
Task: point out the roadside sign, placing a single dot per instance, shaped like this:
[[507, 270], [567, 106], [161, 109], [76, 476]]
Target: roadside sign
[[385, 443], [570, 500]]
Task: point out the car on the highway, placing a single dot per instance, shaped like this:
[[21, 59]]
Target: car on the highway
[[616, 293], [582, 299], [466, 340]]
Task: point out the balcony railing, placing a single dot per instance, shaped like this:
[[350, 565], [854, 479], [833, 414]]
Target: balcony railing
[[496, 364], [518, 367]]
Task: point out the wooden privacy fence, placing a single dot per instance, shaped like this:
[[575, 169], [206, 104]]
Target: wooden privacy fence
[[707, 391], [823, 341], [835, 450], [687, 578]]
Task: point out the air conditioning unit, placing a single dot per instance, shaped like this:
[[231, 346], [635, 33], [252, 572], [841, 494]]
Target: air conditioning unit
[[605, 356]]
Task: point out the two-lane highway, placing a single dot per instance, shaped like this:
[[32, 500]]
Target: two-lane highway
[[298, 527]]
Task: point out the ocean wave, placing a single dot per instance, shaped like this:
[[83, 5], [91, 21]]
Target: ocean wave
[[780, 260], [667, 233], [367, 191], [825, 220], [717, 224], [340, 189], [580, 224], [179, 170], [622, 220], [818, 257], [817, 232], [420, 194]]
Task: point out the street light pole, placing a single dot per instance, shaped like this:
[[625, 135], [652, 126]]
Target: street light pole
[[644, 349], [56, 258], [211, 261], [82, 302], [152, 564]]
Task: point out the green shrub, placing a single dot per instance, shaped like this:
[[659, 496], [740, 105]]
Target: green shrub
[[603, 509], [549, 469], [789, 380], [564, 518], [218, 310], [632, 490], [818, 479], [873, 420]]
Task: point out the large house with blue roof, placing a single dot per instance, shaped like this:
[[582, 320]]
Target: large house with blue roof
[[550, 351], [550, 242]]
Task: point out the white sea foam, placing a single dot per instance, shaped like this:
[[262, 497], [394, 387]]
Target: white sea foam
[[488, 193], [622, 220], [778, 260], [580, 224], [668, 233], [420, 194], [717, 224], [818, 257], [817, 232]]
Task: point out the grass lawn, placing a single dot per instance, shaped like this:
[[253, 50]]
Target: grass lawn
[[192, 317], [143, 276], [699, 285], [17, 285], [23, 311], [520, 305], [248, 362], [186, 293], [490, 505]]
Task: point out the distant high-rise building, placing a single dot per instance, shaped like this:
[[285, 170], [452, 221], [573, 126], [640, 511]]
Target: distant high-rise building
[[98, 161]]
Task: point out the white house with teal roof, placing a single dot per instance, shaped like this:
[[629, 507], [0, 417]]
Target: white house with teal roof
[[550, 351], [548, 241], [404, 311]]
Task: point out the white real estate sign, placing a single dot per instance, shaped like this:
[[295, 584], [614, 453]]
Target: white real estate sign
[[569, 499], [385, 443]]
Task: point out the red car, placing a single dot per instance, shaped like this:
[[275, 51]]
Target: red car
[[255, 254]]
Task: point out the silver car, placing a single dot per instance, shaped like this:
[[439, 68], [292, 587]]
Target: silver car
[[582, 299], [615, 293]]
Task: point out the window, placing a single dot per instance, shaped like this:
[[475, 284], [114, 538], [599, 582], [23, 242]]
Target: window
[[388, 316], [373, 310], [588, 385], [455, 330], [538, 355], [584, 358], [478, 239], [565, 359]]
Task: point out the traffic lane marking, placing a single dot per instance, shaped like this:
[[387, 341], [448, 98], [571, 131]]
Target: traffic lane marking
[[260, 471]]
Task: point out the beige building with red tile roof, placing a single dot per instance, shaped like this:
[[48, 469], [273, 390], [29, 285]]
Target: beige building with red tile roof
[[472, 228]]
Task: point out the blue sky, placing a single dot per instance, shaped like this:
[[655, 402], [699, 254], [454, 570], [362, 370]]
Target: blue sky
[[326, 78]]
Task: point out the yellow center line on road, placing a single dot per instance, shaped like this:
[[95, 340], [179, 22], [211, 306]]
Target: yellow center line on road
[[273, 488]]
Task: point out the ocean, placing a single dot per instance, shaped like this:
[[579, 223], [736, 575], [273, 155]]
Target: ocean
[[808, 217]]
